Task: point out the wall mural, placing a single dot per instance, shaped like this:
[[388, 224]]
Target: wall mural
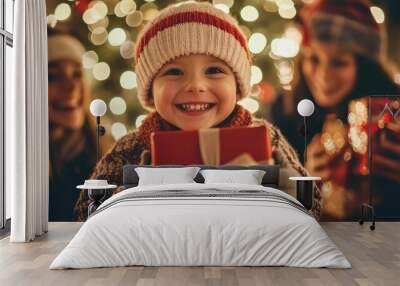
[[92, 56]]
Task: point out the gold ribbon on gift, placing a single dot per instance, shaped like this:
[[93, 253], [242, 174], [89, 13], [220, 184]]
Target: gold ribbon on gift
[[210, 150], [209, 146]]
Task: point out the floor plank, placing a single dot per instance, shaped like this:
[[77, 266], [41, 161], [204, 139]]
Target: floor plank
[[374, 255]]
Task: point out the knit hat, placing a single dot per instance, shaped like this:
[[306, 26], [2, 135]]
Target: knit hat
[[185, 29], [64, 47], [347, 23]]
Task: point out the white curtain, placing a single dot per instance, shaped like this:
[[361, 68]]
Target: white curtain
[[27, 124]]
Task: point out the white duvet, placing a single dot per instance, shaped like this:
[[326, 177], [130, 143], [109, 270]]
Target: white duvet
[[183, 231]]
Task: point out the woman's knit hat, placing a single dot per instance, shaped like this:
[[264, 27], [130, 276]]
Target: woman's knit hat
[[64, 47], [185, 29], [347, 23]]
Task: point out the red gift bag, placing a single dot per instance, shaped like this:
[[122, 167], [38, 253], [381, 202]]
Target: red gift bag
[[215, 146]]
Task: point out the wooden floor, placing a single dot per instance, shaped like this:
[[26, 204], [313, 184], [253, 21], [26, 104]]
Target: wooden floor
[[374, 255]]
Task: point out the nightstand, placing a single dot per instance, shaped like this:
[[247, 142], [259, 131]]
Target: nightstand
[[97, 192], [304, 190]]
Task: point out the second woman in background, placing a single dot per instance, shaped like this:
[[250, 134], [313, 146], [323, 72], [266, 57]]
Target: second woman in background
[[342, 62]]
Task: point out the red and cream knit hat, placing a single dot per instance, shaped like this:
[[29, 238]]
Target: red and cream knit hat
[[348, 23], [185, 29]]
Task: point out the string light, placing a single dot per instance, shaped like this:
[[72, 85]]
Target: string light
[[128, 80], [118, 130], [149, 10], [116, 37], [139, 120], [117, 10], [89, 59], [270, 6], [99, 36], [294, 34], [127, 6], [222, 7], [100, 8], [249, 13], [284, 47], [228, 3], [378, 14], [101, 23], [257, 43], [62, 12], [256, 75], [51, 20], [101, 71], [127, 49], [135, 19], [287, 13], [117, 105], [250, 104], [91, 16], [285, 4]]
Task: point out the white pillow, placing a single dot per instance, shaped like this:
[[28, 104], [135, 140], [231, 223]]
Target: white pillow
[[249, 177], [162, 176]]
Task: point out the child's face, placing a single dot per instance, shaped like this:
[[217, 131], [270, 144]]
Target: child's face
[[193, 92]]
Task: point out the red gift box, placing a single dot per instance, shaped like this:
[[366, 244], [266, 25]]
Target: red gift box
[[215, 146]]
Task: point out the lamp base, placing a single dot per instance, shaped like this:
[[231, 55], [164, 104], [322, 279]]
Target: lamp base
[[305, 193], [364, 208]]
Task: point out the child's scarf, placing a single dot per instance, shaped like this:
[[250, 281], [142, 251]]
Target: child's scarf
[[154, 122]]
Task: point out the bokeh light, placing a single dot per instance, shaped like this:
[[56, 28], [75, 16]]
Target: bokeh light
[[249, 13], [135, 19], [100, 8], [99, 36], [378, 14], [287, 13], [256, 75], [127, 6], [127, 49], [293, 33], [51, 20], [89, 59], [222, 7], [117, 10], [149, 10], [284, 47], [139, 120], [118, 130], [62, 12], [116, 36], [285, 4], [228, 3], [101, 71], [101, 23], [270, 6], [250, 104], [117, 105], [257, 43], [128, 80]]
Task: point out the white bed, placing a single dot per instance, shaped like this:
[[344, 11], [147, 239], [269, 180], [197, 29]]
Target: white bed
[[224, 225]]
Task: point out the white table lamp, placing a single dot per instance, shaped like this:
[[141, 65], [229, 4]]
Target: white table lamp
[[305, 108], [98, 108]]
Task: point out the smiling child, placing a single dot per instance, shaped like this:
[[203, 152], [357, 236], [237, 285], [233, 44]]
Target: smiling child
[[193, 66]]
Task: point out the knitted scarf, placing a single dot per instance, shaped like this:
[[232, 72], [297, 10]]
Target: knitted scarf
[[154, 122]]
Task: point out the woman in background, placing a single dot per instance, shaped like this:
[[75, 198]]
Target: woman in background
[[342, 62], [71, 126]]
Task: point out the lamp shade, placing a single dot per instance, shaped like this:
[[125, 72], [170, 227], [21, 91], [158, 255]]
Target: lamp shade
[[98, 107], [305, 107]]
